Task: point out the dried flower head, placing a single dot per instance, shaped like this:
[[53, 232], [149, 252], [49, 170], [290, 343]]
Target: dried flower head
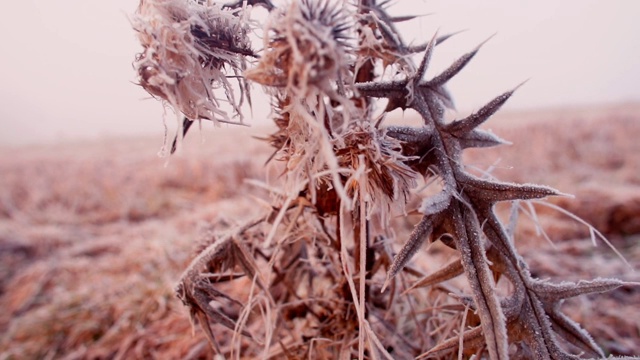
[[387, 179], [186, 46], [306, 45]]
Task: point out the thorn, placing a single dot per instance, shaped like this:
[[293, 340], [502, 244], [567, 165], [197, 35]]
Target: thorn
[[446, 37], [486, 41], [386, 283], [471, 122], [397, 19], [520, 85], [186, 124], [455, 68], [427, 58]]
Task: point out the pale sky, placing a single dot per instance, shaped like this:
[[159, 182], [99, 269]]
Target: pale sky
[[66, 65]]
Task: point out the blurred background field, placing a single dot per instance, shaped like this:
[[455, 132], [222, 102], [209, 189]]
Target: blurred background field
[[94, 234]]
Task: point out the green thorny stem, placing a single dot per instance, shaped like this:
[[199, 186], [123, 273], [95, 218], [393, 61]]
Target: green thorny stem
[[321, 63]]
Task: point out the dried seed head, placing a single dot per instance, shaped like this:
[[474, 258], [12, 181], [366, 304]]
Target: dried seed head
[[306, 45], [389, 179], [186, 45]]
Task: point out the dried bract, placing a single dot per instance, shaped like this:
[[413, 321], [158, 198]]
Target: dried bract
[[306, 45], [187, 46]]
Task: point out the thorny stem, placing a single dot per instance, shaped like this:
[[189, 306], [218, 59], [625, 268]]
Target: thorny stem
[[468, 241]]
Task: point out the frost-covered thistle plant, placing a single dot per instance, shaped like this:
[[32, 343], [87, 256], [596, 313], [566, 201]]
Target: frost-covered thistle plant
[[317, 275]]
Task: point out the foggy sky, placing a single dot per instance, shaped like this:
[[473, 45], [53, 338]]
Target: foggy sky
[[66, 65]]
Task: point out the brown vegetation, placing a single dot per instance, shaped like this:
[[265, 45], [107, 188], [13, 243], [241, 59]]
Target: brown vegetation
[[93, 237]]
